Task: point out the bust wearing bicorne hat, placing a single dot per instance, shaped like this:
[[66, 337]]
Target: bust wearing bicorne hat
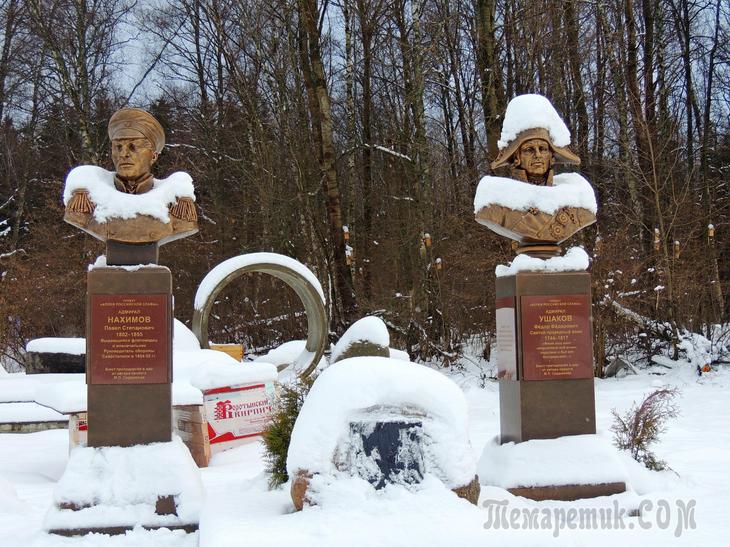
[[531, 157], [130, 205], [532, 205]]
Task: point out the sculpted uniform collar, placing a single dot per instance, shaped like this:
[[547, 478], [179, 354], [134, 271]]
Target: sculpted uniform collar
[[521, 174], [139, 187]]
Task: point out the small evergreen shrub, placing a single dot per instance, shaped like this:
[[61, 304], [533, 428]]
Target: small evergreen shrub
[[642, 425], [278, 434]]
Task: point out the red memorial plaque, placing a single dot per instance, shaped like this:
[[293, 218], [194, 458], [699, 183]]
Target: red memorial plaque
[[129, 341], [556, 337]]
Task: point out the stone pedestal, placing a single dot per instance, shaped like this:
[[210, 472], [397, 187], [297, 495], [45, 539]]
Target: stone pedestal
[[132, 469], [111, 490], [545, 410], [545, 369], [545, 356], [129, 356]]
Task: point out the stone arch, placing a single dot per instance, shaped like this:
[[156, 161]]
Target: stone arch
[[293, 273]]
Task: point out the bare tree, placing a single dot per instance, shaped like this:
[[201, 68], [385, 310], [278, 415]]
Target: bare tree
[[320, 110], [80, 40]]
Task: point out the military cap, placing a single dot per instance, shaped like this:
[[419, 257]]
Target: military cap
[[133, 123]]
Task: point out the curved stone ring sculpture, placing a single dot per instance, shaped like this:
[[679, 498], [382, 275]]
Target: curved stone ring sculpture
[[293, 273]]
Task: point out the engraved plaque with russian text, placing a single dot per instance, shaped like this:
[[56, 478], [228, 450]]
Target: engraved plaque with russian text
[[129, 341], [556, 337]]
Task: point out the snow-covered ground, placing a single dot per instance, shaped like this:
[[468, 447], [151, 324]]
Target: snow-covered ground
[[240, 510]]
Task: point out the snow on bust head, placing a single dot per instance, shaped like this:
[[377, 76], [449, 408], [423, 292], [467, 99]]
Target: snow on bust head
[[129, 205], [533, 206]]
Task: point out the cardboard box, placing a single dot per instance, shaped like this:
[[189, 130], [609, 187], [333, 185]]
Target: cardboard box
[[189, 424], [189, 413], [200, 452], [237, 414]]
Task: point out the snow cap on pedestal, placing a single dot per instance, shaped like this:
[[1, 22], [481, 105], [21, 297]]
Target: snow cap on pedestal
[[533, 116]]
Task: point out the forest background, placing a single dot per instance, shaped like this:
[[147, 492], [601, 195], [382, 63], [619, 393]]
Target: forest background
[[351, 135]]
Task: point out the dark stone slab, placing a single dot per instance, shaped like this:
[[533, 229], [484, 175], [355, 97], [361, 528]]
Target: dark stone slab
[[394, 448], [56, 363]]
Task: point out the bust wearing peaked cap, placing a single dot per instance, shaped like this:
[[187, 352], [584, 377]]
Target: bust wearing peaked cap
[[129, 205], [137, 140], [532, 155]]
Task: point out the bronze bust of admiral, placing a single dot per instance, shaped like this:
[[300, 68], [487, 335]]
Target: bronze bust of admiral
[[137, 139], [530, 158]]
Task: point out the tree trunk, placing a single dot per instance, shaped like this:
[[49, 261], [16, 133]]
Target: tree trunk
[[489, 72], [574, 53], [321, 119], [365, 16], [11, 14]]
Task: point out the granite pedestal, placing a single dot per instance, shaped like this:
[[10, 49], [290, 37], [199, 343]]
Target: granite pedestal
[[545, 366]]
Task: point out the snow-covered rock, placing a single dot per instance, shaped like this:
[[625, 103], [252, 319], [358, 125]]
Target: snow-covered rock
[[347, 388], [366, 337]]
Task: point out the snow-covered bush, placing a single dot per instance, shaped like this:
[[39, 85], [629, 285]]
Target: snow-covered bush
[[277, 435], [640, 426]]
